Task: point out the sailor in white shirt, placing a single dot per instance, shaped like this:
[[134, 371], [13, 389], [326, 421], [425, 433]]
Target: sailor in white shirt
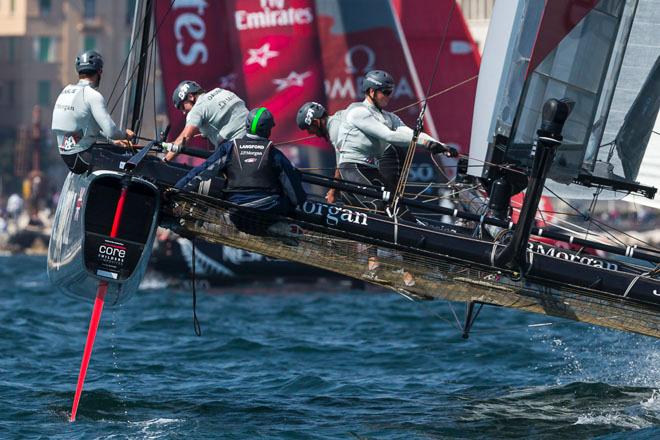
[[81, 118], [218, 115]]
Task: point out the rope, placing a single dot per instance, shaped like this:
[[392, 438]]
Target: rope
[[135, 68], [410, 153], [441, 92], [603, 227], [196, 326]]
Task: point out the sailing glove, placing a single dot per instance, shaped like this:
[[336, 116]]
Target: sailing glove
[[438, 147], [170, 147]]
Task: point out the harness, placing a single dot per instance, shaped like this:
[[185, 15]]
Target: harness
[[250, 167]]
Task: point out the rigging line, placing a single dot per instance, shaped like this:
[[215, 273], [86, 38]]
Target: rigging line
[[591, 221], [295, 140], [149, 60], [504, 167], [433, 313], [436, 94], [592, 210], [596, 237], [124, 102], [603, 226], [419, 166], [134, 71], [153, 95], [125, 63], [451, 194], [420, 119], [579, 229], [440, 168], [442, 45], [632, 237]]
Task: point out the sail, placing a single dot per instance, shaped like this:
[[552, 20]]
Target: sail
[[194, 43], [278, 45], [635, 131], [648, 172], [357, 36], [597, 53], [423, 24]]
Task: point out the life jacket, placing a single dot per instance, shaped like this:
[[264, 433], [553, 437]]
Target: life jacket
[[250, 167]]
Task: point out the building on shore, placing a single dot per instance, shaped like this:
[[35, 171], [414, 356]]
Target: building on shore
[[477, 13], [39, 40]]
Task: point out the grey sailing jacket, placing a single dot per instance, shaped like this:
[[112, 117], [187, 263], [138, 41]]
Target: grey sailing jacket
[[366, 131], [219, 115], [81, 118]]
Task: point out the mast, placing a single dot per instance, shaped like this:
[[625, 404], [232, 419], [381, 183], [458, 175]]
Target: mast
[[555, 113], [124, 103], [136, 119]]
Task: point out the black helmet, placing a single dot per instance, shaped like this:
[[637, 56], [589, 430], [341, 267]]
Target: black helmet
[[89, 62], [182, 90], [260, 121], [378, 80], [308, 112]]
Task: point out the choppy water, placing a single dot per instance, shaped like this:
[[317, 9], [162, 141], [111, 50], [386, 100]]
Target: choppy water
[[312, 365]]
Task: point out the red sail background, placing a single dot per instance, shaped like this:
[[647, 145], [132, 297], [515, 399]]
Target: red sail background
[[194, 42], [423, 24], [281, 63], [292, 74]]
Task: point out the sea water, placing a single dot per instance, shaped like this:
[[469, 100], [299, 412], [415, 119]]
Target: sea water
[[311, 364]]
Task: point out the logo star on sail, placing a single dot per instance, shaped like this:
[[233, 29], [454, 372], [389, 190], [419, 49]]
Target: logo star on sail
[[294, 79], [261, 55]]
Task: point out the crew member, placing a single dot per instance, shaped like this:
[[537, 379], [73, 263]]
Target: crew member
[[313, 118], [219, 115], [257, 174], [80, 117], [365, 135]]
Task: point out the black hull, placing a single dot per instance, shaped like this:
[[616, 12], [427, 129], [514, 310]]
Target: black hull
[[444, 261], [446, 264]]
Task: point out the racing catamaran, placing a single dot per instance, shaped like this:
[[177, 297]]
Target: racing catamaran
[[566, 102]]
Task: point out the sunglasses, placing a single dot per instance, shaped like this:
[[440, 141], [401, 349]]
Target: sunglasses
[[386, 92]]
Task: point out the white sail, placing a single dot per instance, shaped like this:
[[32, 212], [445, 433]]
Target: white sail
[[495, 67], [597, 53]]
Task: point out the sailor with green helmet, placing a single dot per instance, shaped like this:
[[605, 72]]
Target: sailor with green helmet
[[219, 115], [257, 174]]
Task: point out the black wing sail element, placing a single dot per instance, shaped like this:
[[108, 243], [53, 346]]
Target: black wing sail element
[[638, 124]]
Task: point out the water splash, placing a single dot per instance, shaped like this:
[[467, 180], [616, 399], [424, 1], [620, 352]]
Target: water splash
[[117, 374], [158, 428], [153, 282], [617, 359], [614, 419], [652, 403]]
